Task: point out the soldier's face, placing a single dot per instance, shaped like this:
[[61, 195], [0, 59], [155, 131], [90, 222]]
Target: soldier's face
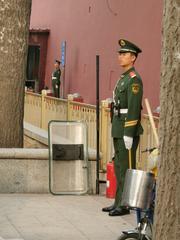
[[56, 65], [126, 59]]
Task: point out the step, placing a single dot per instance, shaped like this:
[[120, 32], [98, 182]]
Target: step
[[1, 238]]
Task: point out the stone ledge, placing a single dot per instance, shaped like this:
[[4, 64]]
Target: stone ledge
[[36, 133], [27, 171], [24, 153], [41, 136]]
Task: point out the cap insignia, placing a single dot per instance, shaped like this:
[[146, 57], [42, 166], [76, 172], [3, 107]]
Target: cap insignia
[[122, 43]]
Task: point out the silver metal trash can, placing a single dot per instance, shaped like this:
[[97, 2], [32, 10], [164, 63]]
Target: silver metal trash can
[[137, 191]]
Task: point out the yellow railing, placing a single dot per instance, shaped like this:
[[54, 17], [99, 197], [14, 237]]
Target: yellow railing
[[33, 109], [86, 113], [106, 144], [40, 109], [53, 109]]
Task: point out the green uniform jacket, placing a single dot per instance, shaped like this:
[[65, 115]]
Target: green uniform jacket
[[128, 95], [56, 77]]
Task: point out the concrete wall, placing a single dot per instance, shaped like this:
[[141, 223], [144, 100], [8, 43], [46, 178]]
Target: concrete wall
[[27, 171], [32, 143], [94, 27], [24, 176]]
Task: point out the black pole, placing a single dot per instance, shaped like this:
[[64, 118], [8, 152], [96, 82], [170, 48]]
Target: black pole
[[97, 124]]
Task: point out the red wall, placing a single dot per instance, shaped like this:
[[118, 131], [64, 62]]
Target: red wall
[[93, 27], [40, 39]]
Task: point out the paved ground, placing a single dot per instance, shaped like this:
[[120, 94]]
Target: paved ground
[[47, 217]]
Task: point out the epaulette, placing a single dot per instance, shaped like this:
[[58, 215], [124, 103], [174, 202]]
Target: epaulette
[[132, 74]]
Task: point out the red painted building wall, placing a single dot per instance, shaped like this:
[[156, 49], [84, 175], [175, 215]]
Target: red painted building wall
[[92, 27]]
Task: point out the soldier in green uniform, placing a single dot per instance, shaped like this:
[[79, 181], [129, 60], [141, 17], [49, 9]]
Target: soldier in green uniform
[[126, 120], [56, 79]]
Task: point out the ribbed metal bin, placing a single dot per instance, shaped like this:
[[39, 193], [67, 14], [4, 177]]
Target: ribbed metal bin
[[138, 186]]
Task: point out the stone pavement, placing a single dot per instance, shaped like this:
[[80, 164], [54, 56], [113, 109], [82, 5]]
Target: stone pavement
[[48, 217]]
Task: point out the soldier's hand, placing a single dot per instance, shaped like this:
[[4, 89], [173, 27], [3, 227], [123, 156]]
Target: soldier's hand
[[128, 141]]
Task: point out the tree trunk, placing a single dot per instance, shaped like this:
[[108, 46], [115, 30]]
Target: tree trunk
[[14, 29], [167, 211]]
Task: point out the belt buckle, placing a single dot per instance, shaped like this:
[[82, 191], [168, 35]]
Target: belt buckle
[[115, 111]]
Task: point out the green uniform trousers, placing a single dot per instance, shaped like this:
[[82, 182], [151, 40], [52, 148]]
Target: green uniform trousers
[[56, 90], [121, 164]]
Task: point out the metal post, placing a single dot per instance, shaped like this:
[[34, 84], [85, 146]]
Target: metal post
[[97, 123]]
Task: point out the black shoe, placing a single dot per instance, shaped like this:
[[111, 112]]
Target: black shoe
[[119, 212], [108, 209]]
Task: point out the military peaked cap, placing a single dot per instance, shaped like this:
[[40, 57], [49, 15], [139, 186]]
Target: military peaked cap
[[126, 46], [57, 61]]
